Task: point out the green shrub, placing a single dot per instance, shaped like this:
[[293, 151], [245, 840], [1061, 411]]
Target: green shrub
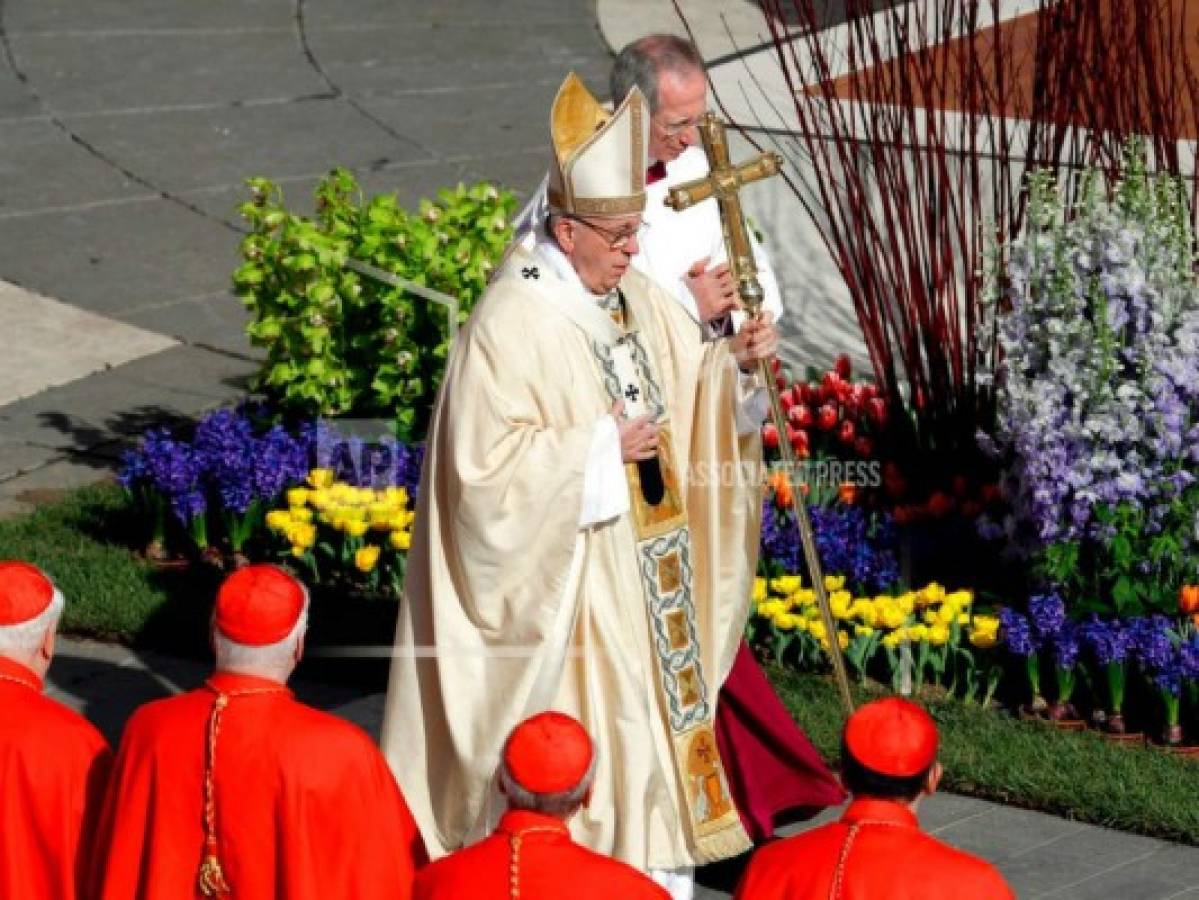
[[339, 343]]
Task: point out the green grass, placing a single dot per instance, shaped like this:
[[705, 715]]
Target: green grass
[[84, 541], [988, 754]]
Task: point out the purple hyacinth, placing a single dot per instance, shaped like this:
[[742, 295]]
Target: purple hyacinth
[[1170, 676], [851, 542], [1151, 641], [1065, 645], [1048, 613], [1108, 642], [1188, 655], [1017, 632]]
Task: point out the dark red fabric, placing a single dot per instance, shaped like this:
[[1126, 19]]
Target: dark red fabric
[[772, 766], [656, 172]]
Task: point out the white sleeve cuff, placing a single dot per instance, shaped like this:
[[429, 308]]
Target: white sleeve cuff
[[753, 403], [605, 487]]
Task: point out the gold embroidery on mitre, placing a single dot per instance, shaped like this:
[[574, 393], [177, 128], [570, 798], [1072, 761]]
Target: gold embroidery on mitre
[[577, 121]]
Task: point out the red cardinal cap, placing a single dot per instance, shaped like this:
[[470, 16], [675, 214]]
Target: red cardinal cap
[[892, 737], [25, 593], [259, 605], [548, 753]]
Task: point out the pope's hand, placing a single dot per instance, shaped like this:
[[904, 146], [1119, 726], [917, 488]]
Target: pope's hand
[[713, 289], [757, 340], [638, 437]]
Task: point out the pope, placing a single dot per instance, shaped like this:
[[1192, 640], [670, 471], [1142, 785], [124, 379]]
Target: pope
[[889, 762], [546, 773], [235, 789], [53, 763]]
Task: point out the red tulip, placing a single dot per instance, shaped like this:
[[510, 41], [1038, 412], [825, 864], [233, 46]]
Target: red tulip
[[971, 509], [847, 432], [770, 435], [902, 515], [991, 493], [864, 447], [842, 366], [826, 417], [786, 401], [893, 481], [801, 416], [799, 443], [876, 408], [775, 365], [940, 504], [781, 382], [960, 485]]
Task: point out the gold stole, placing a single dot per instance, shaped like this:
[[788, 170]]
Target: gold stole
[[664, 556]]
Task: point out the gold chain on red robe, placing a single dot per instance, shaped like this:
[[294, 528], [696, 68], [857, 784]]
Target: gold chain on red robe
[[839, 875], [514, 842], [211, 876]]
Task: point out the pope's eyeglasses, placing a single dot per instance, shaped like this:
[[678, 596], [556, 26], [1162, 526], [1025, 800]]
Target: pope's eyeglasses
[[617, 240]]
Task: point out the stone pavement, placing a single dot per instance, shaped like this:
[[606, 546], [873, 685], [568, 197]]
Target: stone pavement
[[1042, 856]]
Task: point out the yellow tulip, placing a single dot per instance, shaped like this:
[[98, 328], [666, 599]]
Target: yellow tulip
[[366, 557], [401, 540], [938, 635], [917, 633], [298, 551], [278, 520], [985, 633], [933, 594], [321, 478], [906, 602], [804, 597], [863, 631], [301, 514], [786, 584], [834, 583], [302, 535], [759, 591], [892, 616], [893, 639], [838, 604], [355, 528], [817, 629], [843, 640], [298, 496], [960, 599], [929, 617]]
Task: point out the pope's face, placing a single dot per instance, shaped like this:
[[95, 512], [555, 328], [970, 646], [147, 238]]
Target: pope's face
[[600, 248], [682, 99]]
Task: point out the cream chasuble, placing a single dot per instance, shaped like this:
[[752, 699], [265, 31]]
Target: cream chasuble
[[630, 625]]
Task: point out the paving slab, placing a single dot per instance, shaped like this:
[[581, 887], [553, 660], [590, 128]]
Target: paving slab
[[118, 257], [163, 389], [37, 357], [147, 69], [182, 149], [72, 174], [70, 16]]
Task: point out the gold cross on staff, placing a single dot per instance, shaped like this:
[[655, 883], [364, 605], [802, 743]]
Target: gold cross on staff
[[723, 181]]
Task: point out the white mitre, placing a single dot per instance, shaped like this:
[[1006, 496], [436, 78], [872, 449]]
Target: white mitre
[[599, 156]]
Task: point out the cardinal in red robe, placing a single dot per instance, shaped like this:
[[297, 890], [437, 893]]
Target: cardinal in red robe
[[546, 773], [53, 763], [889, 761], [237, 790]]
